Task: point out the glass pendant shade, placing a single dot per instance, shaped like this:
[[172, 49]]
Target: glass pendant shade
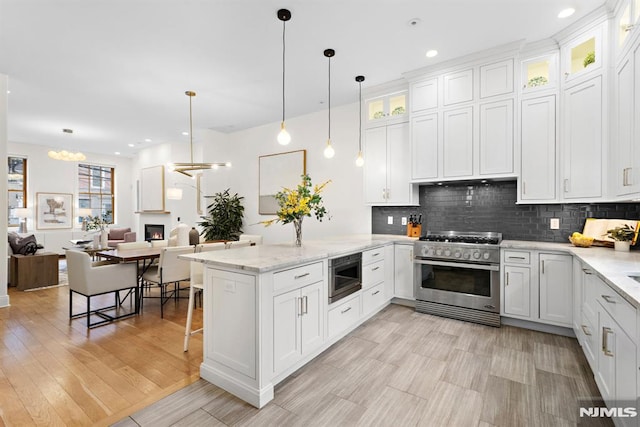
[[284, 137], [329, 152], [359, 159]]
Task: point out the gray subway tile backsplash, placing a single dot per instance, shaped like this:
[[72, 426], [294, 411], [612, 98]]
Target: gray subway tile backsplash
[[492, 207]]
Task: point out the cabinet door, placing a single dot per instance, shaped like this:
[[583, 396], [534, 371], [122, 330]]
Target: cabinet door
[[458, 87], [287, 309], [538, 152], [582, 177], [403, 277], [458, 142], [312, 317], [399, 164], [583, 55], [606, 374], [496, 79], [496, 138], [424, 146], [623, 160], [556, 284], [517, 288], [424, 95], [375, 167]]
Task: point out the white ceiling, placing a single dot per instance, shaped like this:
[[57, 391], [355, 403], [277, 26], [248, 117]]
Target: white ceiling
[[115, 71]]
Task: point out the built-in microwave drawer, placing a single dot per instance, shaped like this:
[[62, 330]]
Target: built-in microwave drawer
[[517, 257], [372, 255], [344, 314], [372, 274], [298, 277]]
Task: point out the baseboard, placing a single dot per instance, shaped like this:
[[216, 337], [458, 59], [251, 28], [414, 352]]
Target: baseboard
[[4, 301], [540, 327], [253, 396]]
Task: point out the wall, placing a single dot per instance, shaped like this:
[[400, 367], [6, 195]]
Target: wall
[[492, 207], [4, 297], [343, 198], [55, 176]]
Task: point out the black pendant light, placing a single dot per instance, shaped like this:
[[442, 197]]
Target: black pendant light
[[329, 152], [360, 159], [283, 137]]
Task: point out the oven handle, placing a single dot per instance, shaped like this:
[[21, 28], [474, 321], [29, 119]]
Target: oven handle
[[459, 264]]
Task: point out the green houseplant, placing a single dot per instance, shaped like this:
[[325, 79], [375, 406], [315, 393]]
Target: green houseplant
[[224, 217], [622, 236]]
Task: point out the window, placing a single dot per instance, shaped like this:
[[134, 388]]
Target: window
[[95, 191], [17, 187]]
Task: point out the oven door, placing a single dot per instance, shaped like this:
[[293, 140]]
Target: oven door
[[475, 286]]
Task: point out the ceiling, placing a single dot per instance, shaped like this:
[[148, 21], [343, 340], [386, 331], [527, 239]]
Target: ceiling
[[115, 71]]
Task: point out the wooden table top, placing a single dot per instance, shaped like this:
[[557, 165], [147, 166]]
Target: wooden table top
[[125, 255]]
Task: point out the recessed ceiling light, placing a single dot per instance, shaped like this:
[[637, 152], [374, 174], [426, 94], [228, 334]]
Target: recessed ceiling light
[[117, 153], [8, 91], [414, 22], [131, 145], [565, 13], [185, 133], [431, 53], [147, 140]]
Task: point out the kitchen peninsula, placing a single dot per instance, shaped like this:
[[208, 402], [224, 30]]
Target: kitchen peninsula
[[266, 310]]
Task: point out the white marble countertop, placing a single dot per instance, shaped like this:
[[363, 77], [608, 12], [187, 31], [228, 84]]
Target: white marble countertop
[[613, 267], [264, 258]]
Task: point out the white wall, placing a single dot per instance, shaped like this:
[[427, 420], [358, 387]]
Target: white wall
[[56, 176], [343, 198], [4, 297]]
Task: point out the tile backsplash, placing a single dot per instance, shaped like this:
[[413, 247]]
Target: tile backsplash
[[492, 207]]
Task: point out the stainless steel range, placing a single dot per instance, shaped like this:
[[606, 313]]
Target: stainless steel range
[[457, 275]]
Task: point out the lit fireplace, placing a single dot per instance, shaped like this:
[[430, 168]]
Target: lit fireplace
[[153, 232]]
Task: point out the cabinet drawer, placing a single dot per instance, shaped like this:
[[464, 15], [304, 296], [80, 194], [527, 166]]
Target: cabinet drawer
[[619, 309], [372, 298], [344, 315], [372, 255], [298, 277], [517, 257], [372, 274]]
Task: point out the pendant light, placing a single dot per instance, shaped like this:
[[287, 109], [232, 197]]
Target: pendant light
[[329, 152], [185, 168], [283, 137], [360, 159]]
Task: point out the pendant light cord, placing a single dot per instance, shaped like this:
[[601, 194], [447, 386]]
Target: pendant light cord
[[284, 25], [360, 122], [190, 128], [329, 98]]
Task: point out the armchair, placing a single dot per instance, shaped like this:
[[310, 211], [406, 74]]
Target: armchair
[[94, 279], [120, 235]]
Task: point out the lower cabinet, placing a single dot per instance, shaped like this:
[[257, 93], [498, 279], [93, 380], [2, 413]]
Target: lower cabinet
[[517, 290], [345, 314], [403, 271], [556, 288], [298, 324]]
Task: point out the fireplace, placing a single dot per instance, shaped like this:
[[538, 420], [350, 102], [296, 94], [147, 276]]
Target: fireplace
[[153, 232]]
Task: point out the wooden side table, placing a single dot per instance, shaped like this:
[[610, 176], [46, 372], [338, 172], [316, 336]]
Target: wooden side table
[[33, 271]]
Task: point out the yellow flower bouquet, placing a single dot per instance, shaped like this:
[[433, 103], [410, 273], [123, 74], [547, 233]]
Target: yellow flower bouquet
[[297, 203]]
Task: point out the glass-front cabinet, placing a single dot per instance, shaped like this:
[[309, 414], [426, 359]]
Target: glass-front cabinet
[[584, 54], [625, 21], [539, 73], [387, 109]]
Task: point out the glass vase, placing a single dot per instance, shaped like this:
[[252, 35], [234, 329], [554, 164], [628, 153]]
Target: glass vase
[[297, 225]]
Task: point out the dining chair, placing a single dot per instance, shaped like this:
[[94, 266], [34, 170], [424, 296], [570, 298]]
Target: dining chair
[[94, 279], [196, 283], [239, 244], [170, 269]]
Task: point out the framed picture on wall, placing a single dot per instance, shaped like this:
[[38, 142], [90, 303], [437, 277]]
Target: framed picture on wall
[[278, 171], [54, 211]]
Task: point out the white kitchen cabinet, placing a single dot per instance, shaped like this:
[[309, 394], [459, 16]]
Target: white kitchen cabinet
[[496, 136], [583, 56], [582, 174], [458, 142], [556, 288], [424, 95], [424, 146], [458, 87], [625, 24], [386, 109], [496, 78], [298, 325], [539, 73], [538, 149], [517, 290], [344, 314], [387, 170], [403, 271]]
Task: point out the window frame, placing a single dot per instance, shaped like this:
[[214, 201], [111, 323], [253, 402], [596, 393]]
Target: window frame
[[96, 177], [12, 191]]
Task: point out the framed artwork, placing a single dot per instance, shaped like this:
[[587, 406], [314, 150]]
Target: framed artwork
[[277, 171], [152, 189], [54, 210]]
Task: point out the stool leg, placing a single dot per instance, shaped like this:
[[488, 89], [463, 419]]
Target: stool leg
[[187, 331]]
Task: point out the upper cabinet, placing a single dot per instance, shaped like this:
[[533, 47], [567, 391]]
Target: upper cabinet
[[424, 95], [458, 87], [539, 73], [625, 24], [496, 79], [391, 108], [584, 55]]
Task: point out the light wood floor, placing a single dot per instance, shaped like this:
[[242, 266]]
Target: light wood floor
[[54, 372], [403, 368]]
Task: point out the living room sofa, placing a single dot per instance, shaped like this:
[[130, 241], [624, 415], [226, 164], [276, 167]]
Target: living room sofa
[[120, 235]]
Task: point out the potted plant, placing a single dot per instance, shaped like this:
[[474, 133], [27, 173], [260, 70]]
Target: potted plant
[[224, 217], [100, 224], [622, 237]]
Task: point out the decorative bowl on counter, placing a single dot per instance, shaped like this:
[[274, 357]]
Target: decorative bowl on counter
[[581, 240]]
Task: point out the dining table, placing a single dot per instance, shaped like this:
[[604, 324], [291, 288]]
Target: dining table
[[143, 257]]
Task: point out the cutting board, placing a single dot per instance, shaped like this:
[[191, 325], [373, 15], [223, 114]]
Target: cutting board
[[597, 228]]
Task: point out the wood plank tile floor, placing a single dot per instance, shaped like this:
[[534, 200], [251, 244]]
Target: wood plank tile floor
[[403, 368]]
